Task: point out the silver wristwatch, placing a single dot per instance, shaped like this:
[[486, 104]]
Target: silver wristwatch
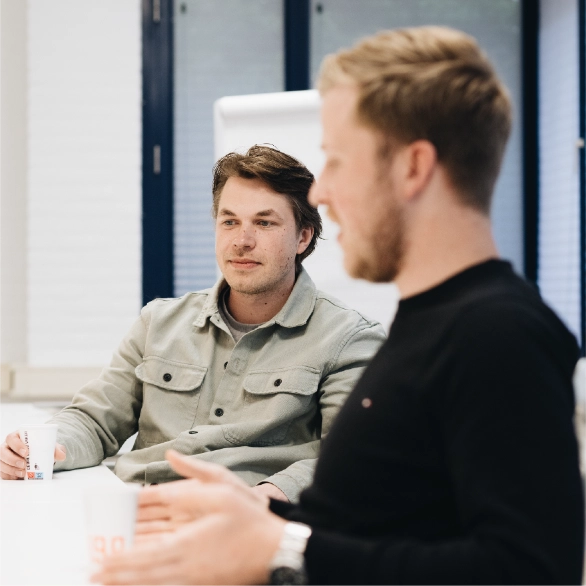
[[288, 564]]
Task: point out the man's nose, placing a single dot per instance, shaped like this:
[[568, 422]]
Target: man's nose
[[318, 193], [245, 237], [313, 195]]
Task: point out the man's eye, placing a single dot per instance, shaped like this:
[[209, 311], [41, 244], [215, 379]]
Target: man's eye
[[265, 223], [228, 222]]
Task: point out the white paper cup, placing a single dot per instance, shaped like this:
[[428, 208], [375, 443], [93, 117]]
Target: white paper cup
[[41, 440], [110, 513]]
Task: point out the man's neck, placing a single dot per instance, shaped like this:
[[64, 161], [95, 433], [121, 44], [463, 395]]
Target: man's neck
[[443, 244], [258, 308]]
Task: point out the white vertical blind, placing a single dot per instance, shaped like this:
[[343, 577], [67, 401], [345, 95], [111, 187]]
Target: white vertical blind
[[84, 179], [221, 48], [559, 207], [13, 182]]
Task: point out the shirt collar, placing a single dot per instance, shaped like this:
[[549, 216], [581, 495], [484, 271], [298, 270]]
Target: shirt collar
[[296, 311]]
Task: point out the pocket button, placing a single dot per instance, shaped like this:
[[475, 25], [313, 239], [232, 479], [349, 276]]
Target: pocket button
[[278, 382], [167, 377], [219, 412]]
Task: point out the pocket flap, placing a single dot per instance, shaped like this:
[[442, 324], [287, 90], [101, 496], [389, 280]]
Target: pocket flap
[[300, 380], [170, 375]]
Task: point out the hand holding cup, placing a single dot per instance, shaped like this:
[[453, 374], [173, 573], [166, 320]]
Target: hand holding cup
[[13, 454]]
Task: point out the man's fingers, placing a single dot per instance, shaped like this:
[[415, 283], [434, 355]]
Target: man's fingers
[[158, 526], [154, 575], [145, 538], [151, 495], [12, 454], [14, 442], [153, 513], [203, 471], [205, 499], [8, 476], [60, 453], [137, 575], [152, 562], [9, 458], [193, 468], [12, 466]]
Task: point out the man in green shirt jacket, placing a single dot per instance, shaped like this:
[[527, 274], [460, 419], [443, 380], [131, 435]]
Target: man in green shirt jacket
[[248, 374]]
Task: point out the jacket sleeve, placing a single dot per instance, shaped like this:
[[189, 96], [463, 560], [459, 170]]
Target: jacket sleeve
[[342, 374], [104, 413], [511, 457]]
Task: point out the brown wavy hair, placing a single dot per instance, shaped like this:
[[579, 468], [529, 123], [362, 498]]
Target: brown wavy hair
[[280, 172]]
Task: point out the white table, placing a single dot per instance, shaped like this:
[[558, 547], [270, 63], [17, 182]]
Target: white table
[[42, 532]]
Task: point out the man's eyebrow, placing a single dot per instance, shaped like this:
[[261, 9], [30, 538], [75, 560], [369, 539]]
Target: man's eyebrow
[[267, 213], [261, 214]]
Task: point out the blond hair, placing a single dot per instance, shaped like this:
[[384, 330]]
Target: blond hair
[[431, 83]]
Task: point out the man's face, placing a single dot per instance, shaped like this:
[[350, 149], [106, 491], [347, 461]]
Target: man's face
[[256, 237], [359, 187]]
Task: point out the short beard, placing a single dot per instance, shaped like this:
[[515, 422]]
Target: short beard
[[385, 259], [384, 252], [253, 290]]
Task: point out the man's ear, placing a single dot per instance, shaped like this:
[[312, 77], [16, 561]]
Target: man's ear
[[305, 236], [419, 164]]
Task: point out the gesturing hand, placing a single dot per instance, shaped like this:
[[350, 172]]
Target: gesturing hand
[[166, 507], [230, 538]]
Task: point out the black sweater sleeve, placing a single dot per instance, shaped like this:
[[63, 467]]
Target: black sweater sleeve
[[505, 423], [281, 508]]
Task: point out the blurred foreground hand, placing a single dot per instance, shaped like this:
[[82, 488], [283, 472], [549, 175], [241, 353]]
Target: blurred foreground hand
[[211, 529], [164, 508]]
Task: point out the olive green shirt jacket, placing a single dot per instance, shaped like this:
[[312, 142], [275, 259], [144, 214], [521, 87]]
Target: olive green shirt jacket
[[259, 407]]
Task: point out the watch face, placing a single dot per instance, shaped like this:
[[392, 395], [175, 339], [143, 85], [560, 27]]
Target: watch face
[[286, 575]]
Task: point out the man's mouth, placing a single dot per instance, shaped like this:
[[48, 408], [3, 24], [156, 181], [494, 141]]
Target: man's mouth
[[244, 263]]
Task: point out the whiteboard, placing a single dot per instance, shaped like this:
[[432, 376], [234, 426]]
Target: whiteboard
[[290, 121]]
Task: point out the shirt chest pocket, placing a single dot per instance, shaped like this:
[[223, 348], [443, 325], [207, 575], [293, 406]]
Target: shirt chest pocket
[[299, 381], [273, 400], [170, 398]]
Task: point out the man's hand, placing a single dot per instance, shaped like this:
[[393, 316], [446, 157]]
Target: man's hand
[[12, 457], [271, 491], [164, 508], [231, 541]]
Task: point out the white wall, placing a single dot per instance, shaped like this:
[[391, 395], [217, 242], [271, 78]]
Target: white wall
[[84, 178], [13, 181], [559, 223]]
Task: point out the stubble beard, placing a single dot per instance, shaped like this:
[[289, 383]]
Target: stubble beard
[[380, 258], [262, 284]]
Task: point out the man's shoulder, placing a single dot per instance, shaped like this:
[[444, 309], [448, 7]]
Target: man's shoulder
[[191, 302], [515, 302], [515, 318], [328, 307]]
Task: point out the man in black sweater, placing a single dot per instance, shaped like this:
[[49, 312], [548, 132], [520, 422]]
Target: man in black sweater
[[454, 459]]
